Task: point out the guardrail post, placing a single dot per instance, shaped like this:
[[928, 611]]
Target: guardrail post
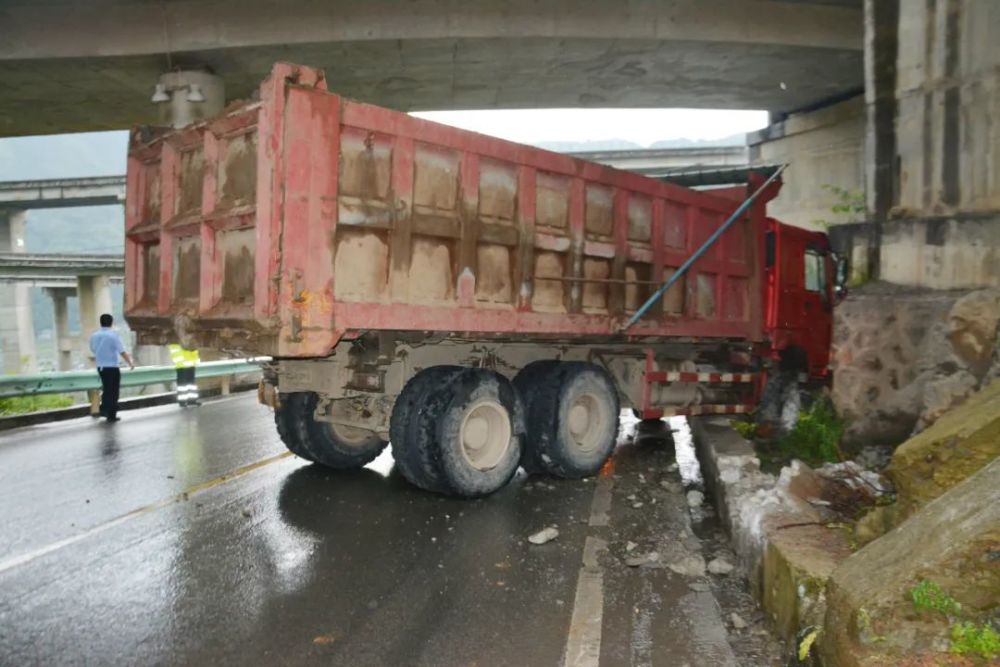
[[94, 397], [226, 380]]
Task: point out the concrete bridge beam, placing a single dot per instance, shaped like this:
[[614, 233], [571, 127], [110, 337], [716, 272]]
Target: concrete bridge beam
[[67, 67], [64, 343], [95, 299], [17, 336]]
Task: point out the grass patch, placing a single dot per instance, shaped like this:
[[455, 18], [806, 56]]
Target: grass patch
[[969, 638], [20, 405], [814, 440], [928, 596], [816, 436], [747, 429]]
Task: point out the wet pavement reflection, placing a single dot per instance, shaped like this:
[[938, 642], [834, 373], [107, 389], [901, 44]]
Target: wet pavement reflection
[[138, 543]]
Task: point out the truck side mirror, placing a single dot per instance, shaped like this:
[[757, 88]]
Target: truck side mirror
[[841, 273]]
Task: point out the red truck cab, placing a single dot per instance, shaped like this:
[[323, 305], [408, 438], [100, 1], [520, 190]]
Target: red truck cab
[[803, 281]]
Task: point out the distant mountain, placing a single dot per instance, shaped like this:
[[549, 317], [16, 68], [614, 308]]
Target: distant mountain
[[623, 145], [731, 140], [582, 146]]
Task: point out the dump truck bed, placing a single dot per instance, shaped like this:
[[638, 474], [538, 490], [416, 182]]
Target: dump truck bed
[[286, 224]]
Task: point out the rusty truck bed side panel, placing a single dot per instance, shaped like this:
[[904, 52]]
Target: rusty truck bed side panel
[[285, 224]]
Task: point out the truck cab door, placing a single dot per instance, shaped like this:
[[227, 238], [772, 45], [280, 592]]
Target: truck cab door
[[803, 302]]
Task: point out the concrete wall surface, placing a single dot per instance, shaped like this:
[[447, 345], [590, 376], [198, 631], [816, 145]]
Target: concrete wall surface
[[936, 143], [825, 152], [947, 253], [948, 97]]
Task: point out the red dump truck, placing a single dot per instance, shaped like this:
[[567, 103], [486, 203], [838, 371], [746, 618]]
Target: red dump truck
[[466, 298]]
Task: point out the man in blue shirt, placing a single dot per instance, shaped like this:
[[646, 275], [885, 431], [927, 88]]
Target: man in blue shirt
[[107, 347]]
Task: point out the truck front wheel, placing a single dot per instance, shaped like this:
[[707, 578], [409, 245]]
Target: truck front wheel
[[329, 444], [572, 421], [286, 421]]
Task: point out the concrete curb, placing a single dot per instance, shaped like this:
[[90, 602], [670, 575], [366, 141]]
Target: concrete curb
[[786, 554]]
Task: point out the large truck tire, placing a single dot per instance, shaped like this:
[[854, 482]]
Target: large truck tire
[[527, 382], [333, 445], [572, 421], [417, 464], [466, 433], [286, 423]]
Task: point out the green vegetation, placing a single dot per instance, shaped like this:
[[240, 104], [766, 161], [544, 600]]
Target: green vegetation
[[20, 405], [747, 429], [969, 638], [928, 596], [816, 436], [805, 646], [814, 440], [849, 206], [866, 625]]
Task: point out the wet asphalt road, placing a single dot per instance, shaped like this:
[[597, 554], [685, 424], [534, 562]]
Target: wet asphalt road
[[192, 537]]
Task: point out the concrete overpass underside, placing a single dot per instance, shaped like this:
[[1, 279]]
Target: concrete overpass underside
[[74, 65]]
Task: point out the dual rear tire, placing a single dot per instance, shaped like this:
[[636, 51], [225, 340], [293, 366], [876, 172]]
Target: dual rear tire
[[458, 431], [461, 431], [572, 418], [465, 431]]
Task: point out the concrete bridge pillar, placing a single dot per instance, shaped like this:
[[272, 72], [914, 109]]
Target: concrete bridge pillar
[[95, 299], [932, 76], [17, 335], [64, 344]]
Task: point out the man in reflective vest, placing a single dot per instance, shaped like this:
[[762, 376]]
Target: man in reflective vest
[[184, 362]]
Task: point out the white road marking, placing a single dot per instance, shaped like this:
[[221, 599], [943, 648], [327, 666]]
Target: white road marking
[[600, 508], [583, 643], [22, 559]]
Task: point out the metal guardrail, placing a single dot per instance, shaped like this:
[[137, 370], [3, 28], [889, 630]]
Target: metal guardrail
[[66, 382]]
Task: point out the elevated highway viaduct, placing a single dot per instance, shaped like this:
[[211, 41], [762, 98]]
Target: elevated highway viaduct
[[71, 65]]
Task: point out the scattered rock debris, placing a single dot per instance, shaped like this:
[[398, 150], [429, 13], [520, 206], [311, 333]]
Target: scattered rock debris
[[720, 566], [691, 565], [737, 621], [544, 535], [324, 640], [695, 498], [646, 559]]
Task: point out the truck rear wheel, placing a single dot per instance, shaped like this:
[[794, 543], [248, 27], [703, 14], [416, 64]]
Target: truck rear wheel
[[465, 433], [285, 421], [527, 382], [329, 444], [416, 463], [572, 420]]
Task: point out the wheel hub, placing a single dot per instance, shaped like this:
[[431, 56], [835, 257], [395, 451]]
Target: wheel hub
[[485, 434], [586, 421]]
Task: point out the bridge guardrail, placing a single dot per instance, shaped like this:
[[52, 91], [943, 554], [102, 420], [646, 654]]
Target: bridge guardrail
[[65, 382]]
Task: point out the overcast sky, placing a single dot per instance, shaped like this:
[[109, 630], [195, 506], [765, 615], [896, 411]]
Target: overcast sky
[[642, 126]]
